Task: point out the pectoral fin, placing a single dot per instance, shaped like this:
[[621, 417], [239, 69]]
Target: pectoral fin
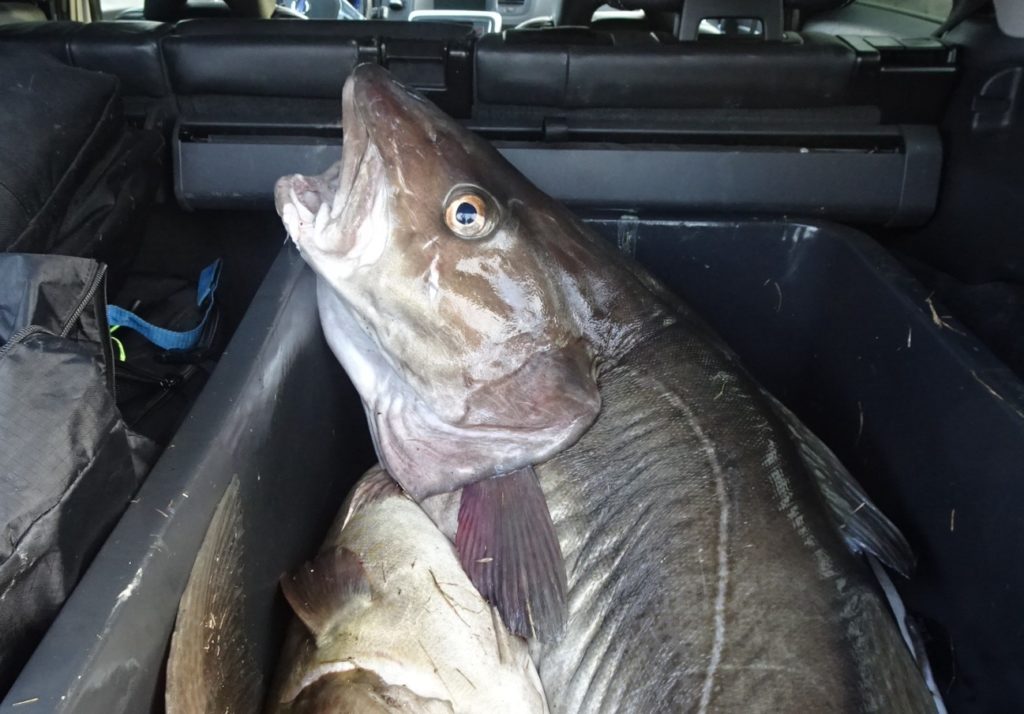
[[508, 547], [318, 590]]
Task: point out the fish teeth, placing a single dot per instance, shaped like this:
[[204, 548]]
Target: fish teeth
[[304, 213], [290, 218], [320, 224]]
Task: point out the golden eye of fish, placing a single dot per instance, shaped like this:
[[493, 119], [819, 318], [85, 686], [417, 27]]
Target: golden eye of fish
[[468, 215]]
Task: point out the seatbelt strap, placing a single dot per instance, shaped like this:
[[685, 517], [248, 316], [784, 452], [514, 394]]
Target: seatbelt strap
[[172, 339]]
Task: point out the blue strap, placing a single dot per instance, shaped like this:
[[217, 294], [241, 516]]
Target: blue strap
[[171, 339]]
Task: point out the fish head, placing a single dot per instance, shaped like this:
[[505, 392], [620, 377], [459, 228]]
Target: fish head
[[359, 691], [446, 280], [388, 621]]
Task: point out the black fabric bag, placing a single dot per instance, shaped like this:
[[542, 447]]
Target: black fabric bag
[[68, 463], [73, 175]]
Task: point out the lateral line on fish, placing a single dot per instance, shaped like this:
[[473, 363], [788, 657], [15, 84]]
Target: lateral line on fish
[[718, 642]]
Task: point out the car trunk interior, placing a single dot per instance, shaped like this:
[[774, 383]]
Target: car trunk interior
[[839, 204]]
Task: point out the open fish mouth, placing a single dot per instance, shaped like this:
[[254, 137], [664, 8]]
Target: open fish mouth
[[316, 209]]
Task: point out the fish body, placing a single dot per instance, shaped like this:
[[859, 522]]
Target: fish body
[[707, 537], [389, 622], [710, 579]]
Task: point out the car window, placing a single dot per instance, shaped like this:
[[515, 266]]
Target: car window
[[112, 8], [935, 9]]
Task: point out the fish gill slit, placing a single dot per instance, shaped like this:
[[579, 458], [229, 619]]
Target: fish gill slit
[[718, 641]]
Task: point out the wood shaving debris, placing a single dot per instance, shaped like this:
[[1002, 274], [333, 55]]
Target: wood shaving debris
[[778, 289], [993, 392], [952, 520], [938, 319]]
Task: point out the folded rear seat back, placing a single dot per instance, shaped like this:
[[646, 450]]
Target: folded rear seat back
[[567, 70]]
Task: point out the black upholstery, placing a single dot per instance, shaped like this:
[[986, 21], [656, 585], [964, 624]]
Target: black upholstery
[[281, 59], [222, 56], [324, 29], [127, 50], [818, 70], [253, 72], [52, 38], [308, 59]]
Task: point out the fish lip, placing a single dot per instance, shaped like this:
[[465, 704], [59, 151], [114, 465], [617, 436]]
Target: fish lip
[[308, 219]]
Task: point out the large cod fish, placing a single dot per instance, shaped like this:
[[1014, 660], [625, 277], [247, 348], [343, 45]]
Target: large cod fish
[[548, 402]]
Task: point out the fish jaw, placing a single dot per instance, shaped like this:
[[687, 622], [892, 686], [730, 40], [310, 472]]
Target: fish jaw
[[427, 454]]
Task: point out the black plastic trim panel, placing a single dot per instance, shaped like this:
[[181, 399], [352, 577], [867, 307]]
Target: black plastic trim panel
[[892, 178]]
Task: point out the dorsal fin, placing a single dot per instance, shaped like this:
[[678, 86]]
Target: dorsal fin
[[323, 586], [863, 527], [375, 485]]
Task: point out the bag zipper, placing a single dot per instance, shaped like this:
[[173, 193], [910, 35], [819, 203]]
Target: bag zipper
[[20, 336], [90, 291], [91, 287]]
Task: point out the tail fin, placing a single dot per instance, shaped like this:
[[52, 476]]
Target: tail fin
[[211, 667]]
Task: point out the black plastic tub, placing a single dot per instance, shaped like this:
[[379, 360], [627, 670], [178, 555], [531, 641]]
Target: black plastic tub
[[927, 419]]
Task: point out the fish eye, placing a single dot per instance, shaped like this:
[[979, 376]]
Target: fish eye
[[468, 214]]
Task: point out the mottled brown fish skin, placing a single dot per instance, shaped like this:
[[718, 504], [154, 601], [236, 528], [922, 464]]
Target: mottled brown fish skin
[[703, 575], [704, 572]]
